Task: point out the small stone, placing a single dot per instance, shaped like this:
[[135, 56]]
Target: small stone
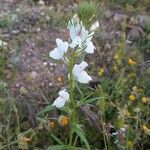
[[51, 68], [41, 3], [47, 18], [51, 64], [51, 8], [143, 20], [18, 9], [42, 14], [2, 43], [33, 74], [14, 17], [45, 63], [15, 31], [17, 85], [9, 66], [38, 29], [50, 84]]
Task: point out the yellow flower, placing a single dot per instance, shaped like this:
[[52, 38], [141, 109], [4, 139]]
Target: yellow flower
[[23, 142], [144, 99], [146, 129], [25, 139], [116, 56], [100, 71], [51, 124], [131, 62], [132, 98], [63, 120]]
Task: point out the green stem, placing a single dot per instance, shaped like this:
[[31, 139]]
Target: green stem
[[104, 132], [72, 102]]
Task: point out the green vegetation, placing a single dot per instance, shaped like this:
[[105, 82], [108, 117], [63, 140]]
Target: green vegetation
[[111, 112]]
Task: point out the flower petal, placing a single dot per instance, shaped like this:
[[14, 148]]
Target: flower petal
[[77, 69], [59, 102], [94, 26], [83, 65], [84, 77], [90, 36], [90, 48], [75, 42], [56, 54], [64, 47], [59, 42], [75, 30], [64, 95]]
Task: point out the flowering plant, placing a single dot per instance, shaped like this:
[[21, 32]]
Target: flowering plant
[[80, 44], [69, 52]]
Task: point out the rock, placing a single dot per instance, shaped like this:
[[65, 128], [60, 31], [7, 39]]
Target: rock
[[135, 34], [119, 17], [41, 3], [143, 20]]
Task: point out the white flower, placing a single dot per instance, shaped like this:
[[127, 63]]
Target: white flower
[[94, 26], [79, 74], [76, 29], [62, 99], [90, 47], [80, 37], [60, 50]]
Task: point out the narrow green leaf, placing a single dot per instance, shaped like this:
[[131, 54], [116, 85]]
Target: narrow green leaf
[[64, 147], [61, 147], [90, 101], [57, 140], [46, 109], [79, 132]]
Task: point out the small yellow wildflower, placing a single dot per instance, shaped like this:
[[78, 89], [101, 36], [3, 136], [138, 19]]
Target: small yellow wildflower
[[132, 98], [63, 120], [25, 139], [144, 99], [100, 71], [146, 129], [51, 124], [23, 142], [116, 56], [131, 62]]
